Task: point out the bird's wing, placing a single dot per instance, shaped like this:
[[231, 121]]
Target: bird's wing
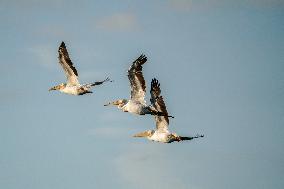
[[137, 82], [190, 138], [157, 101], [67, 65]]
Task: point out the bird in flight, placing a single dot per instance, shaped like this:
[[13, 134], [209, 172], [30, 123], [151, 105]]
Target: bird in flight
[[136, 104], [72, 87], [162, 133]]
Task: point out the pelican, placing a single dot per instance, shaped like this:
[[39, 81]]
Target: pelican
[[162, 133], [72, 87], [136, 104]]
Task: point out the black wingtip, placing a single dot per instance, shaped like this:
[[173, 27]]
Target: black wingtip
[[198, 136], [142, 57], [155, 83], [62, 44], [190, 138], [108, 79]]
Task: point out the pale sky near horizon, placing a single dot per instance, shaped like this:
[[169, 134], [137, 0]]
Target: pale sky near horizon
[[220, 64]]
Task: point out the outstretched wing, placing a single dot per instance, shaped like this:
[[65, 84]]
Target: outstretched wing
[[67, 65], [137, 82], [158, 103], [190, 138]]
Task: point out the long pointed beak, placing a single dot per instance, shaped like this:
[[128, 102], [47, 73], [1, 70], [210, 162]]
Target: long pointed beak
[[115, 103], [143, 134], [107, 104], [52, 89]]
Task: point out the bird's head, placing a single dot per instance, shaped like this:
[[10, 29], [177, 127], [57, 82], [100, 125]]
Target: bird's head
[[58, 87], [118, 103], [145, 134]]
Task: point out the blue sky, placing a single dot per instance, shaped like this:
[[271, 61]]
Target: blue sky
[[220, 64]]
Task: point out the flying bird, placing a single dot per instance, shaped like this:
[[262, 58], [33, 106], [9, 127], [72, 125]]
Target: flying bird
[[72, 87], [162, 133], [136, 104]]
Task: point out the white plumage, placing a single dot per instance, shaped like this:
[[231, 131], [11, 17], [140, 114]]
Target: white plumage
[[72, 87], [162, 133], [136, 104]]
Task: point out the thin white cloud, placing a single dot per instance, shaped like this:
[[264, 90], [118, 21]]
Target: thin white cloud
[[147, 166], [45, 55], [118, 22]]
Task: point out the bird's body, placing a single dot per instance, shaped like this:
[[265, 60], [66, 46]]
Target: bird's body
[[162, 133], [72, 87], [136, 104], [167, 137], [136, 108], [159, 136], [76, 90], [73, 90]]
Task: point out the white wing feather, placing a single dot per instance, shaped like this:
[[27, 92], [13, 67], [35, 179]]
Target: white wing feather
[[67, 65], [157, 101]]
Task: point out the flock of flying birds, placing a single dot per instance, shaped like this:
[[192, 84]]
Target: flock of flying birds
[[135, 105]]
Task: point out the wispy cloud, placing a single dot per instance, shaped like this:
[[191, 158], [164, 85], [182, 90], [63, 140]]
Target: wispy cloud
[[45, 55], [119, 22], [147, 166]]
